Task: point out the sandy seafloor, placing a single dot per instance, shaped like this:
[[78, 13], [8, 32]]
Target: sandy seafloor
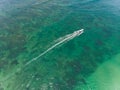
[[90, 61]]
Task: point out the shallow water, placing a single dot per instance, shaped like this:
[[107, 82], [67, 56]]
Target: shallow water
[[87, 62]]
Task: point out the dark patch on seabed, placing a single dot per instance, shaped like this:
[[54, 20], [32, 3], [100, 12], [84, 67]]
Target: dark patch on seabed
[[29, 27]]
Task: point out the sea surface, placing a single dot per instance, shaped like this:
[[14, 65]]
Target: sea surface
[[90, 61]]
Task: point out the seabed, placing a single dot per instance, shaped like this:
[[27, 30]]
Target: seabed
[[90, 61]]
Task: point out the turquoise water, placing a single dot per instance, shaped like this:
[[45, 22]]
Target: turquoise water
[[90, 61]]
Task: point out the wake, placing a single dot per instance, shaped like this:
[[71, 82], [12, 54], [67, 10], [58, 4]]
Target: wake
[[61, 40]]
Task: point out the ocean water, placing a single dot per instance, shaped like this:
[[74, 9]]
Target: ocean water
[[90, 61]]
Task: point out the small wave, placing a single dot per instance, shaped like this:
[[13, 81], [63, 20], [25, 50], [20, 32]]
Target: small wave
[[69, 2]]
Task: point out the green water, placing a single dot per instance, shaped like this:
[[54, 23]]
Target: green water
[[90, 61]]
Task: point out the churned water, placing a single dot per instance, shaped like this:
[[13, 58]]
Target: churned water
[[40, 50]]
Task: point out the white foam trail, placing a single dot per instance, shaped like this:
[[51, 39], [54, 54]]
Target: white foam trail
[[65, 38], [61, 38]]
